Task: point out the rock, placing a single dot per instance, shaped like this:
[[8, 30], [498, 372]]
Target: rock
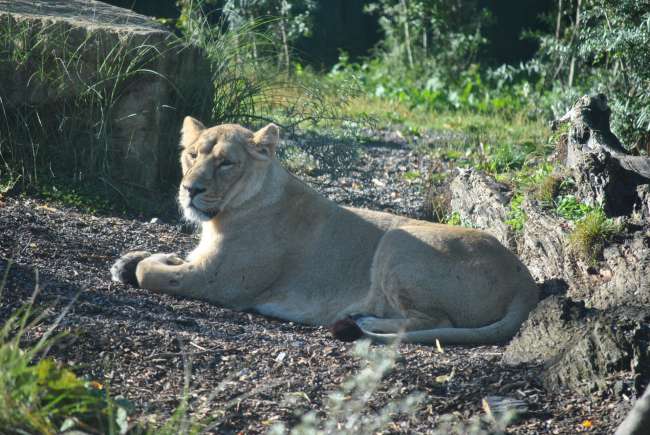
[[549, 328], [642, 212], [602, 181], [543, 245], [628, 264], [124, 80], [621, 277], [483, 203], [584, 349]]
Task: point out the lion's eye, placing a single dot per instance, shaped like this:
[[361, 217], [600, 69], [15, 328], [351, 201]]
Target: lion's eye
[[193, 156], [226, 163]]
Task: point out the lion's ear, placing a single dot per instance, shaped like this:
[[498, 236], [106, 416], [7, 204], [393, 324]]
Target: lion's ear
[[191, 131], [265, 140]]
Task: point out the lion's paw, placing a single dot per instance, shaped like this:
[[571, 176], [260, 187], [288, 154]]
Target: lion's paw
[[124, 268]]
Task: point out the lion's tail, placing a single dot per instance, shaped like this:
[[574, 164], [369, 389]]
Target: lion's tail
[[498, 332]]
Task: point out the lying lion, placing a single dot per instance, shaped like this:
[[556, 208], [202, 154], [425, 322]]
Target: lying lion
[[273, 245]]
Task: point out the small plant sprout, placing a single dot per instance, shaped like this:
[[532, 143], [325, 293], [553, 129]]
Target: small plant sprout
[[517, 215]]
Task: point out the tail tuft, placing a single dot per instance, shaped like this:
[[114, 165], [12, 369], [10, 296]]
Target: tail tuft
[[346, 330]]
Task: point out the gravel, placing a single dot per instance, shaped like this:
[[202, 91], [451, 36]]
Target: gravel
[[244, 367]]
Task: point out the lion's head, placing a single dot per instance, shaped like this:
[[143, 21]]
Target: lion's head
[[222, 166]]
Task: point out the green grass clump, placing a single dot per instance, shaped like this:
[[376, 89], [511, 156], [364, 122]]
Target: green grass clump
[[591, 233]]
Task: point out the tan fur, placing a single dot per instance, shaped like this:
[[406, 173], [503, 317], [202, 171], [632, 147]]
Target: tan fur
[[272, 244]]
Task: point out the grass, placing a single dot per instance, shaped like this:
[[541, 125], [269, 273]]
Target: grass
[[473, 128], [547, 189], [591, 233], [39, 395]]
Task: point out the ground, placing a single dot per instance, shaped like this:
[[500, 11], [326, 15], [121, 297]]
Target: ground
[[244, 368]]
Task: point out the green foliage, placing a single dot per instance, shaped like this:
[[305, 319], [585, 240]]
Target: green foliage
[[516, 215], [571, 209], [261, 28], [454, 219], [416, 30], [430, 88], [607, 52], [412, 175], [591, 233], [505, 157]]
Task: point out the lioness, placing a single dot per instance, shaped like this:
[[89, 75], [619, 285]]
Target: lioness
[[272, 244]]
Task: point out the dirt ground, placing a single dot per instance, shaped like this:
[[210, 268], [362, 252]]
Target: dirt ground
[[244, 366]]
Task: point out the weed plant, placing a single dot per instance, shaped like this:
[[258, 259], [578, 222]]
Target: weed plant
[[570, 208], [516, 214]]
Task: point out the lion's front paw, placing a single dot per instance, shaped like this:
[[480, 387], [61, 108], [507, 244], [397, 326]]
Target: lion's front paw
[[124, 269]]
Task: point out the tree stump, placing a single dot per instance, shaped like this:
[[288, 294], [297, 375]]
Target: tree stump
[[606, 174]]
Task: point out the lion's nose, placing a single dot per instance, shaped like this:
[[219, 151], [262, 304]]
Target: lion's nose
[[193, 191]]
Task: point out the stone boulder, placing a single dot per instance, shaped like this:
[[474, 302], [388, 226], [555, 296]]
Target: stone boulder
[[126, 76], [483, 203], [585, 349]]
